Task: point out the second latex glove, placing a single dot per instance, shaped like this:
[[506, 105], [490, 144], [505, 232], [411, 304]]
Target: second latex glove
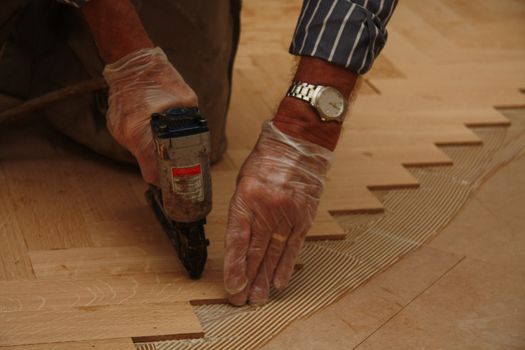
[[142, 83], [278, 191]]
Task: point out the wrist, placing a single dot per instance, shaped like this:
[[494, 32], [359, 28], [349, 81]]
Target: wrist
[[116, 28], [299, 119], [320, 72]]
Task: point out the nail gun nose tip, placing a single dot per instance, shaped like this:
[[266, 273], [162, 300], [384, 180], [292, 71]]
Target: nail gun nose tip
[[195, 276]]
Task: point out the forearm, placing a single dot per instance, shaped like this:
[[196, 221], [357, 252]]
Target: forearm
[[298, 119], [116, 28], [351, 37]]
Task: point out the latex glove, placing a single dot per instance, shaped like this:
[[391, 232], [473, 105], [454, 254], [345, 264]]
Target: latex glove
[[142, 83], [278, 191]]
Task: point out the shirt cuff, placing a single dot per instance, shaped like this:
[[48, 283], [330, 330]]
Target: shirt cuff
[[75, 3], [343, 32]]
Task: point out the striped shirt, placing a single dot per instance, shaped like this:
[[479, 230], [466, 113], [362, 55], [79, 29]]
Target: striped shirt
[[349, 33]]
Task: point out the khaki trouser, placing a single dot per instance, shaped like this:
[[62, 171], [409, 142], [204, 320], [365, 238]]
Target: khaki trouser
[[47, 46]]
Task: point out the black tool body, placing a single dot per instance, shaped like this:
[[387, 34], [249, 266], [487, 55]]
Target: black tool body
[[183, 199]]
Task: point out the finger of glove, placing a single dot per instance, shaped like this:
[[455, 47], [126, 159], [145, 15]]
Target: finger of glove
[[237, 239], [286, 265], [239, 299], [264, 224], [260, 288], [259, 241]]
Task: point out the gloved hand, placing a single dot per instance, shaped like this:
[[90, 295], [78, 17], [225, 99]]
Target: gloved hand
[[278, 191], [142, 83]]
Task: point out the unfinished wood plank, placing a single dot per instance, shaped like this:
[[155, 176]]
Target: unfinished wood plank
[[393, 175], [141, 322], [384, 68], [410, 136], [48, 210], [349, 199], [108, 261], [116, 200], [14, 257], [107, 344], [138, 289], [141, 228], [325, 227], [470, 117], [423, 155]]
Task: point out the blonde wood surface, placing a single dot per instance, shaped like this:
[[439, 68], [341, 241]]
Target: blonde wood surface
[[125, 290], [106, 344], [76, 230], [96, 322]]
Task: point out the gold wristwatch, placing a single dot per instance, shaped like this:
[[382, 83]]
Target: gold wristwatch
[[329, 102]]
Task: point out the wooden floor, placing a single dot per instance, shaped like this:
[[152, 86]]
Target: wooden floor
[[82, 257], [463, 291]]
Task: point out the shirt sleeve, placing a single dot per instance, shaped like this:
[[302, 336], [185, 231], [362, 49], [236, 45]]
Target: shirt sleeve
[[75, 3], [350, 33]]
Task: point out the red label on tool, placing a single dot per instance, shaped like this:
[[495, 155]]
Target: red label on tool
[[192, 170]]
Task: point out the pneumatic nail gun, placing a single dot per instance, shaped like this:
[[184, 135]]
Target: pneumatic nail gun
[[183, 199]]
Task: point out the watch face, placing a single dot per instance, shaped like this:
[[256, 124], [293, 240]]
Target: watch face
[[330, 103]]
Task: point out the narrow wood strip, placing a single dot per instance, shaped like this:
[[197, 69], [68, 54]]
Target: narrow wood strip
[[140, 322], [48, 211], [14, 258], [81, 263], [325, 227], [427, 154], [107, 344], [39, 295], [350, 199]]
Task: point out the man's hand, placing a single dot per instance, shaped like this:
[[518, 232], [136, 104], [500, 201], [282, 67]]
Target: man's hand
[[141, 79], [142, 83], [278, 190]]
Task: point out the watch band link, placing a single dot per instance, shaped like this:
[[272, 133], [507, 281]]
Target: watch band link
[[303, 91]]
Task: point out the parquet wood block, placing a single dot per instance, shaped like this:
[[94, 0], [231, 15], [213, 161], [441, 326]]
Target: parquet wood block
[[106, 261], [325, 227], [362, 200], [55, 294], [154, 322], [106, 344], [64, 224], [423, 155], [413, 136], [14, 260]]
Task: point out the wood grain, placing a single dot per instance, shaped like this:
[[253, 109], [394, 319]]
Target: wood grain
[[106, 344], [139, 322], [14, 258], [27, 295]]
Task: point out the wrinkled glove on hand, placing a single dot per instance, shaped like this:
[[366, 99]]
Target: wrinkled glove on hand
[[278, 191], [142, 83]]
